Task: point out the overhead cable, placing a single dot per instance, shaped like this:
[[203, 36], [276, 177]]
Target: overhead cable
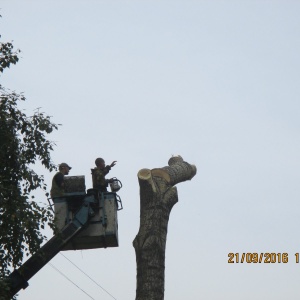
[[89, 277], [71, 281]]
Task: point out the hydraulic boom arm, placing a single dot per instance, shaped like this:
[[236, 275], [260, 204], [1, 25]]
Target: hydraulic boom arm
[[18, 279]]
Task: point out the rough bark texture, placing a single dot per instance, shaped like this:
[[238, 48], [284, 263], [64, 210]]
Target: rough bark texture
[[157, 197]]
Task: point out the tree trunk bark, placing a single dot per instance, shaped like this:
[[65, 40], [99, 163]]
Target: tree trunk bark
[[157, 197]]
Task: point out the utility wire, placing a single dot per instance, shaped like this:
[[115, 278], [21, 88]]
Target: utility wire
[[88, 276], [71, 281]]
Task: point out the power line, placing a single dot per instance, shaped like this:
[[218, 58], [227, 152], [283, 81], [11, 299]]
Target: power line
[[70, 280], [89, 277]]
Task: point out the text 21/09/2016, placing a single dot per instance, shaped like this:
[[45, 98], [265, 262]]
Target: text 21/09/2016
[[260, 258]]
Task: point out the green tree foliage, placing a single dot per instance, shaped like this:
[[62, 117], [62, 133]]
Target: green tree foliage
[[23, 142]]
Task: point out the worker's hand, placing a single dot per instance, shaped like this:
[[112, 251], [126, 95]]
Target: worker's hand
[[111, 180], [113, 163]]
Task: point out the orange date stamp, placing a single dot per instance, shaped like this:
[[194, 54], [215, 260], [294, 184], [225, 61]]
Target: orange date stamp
[[259, 258]]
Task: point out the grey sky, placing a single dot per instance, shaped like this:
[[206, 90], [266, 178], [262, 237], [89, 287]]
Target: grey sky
[[137, 81]]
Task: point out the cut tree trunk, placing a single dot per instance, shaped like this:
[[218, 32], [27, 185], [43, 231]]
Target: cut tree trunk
[[157, 197]]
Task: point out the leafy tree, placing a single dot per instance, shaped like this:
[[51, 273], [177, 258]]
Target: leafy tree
[[23, 142]]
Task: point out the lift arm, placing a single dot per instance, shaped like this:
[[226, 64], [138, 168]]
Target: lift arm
[[18, 279]]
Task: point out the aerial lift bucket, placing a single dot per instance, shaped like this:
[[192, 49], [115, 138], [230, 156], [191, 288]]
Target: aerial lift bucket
[[102, 229]]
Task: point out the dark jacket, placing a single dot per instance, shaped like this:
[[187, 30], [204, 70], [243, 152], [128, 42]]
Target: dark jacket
[[57, 189], [99, 181]]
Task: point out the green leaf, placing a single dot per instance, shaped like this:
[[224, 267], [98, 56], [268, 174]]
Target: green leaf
[[23, 143]]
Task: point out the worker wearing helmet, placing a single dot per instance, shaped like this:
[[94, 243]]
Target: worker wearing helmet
[[98, 174], [57, 189]]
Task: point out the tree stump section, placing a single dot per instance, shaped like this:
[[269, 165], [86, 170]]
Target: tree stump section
[[157, 197]]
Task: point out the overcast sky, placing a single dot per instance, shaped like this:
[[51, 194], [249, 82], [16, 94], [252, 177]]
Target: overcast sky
[[138, 81]]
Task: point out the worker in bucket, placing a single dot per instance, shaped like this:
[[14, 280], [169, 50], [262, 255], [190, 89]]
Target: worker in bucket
[[98, 174], [57, 189]]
